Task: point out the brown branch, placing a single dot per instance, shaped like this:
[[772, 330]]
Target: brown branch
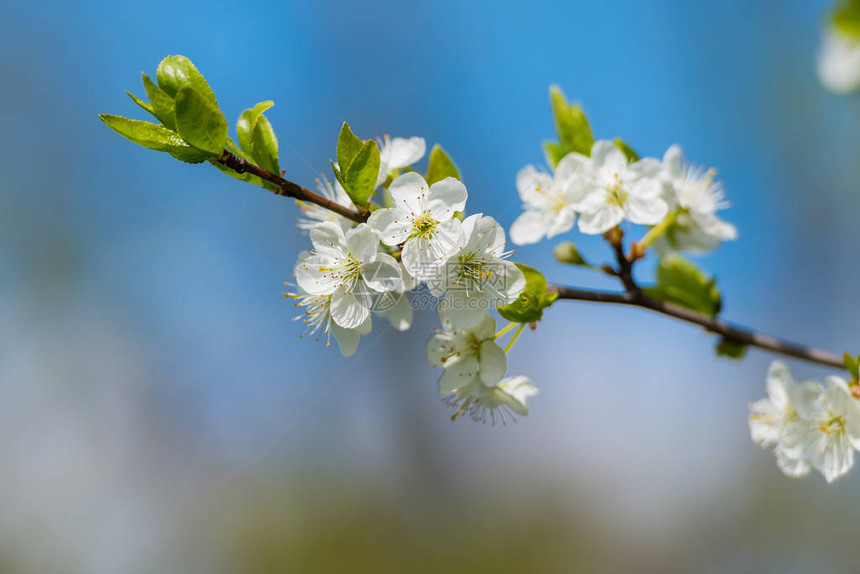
[[633, 295], [287, 188], [726, 331]]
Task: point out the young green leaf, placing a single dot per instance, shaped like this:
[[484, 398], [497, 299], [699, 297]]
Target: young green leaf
[[145, 105], [553, 152], [846, 18], [247, 122], [154, 136], [360, 176], [177, 72], [200, 122], [348, 146], [852, 365], [730, 350], [529, 306], [628, 151], [338, 175], [440, 166], [682, 283], [571, 126], [162, 104], [265, 145]]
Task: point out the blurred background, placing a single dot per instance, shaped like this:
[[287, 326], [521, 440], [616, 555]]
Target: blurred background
[[159, 413]]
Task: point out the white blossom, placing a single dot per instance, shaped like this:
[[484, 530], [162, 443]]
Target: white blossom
[[466, 354], [808, 426], [349, 267], [479, 276], [696, 197], [770, 417], [421, 217], [547, 200], [317, 316], [491, 403], [838, 61], [828, 428], [397, 153], [314, 214], [613, 190]]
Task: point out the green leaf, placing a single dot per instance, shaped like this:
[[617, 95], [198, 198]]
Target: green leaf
[[154, 136], [846, 18], [360, 176], [628, 151], [566, 252], [162, 104], [440, 166], [682, 283], [730, 350], [338, 175], [246, 124], [265, 145], [553, 152], [200, 122], [177, 72], [852, 365], [571, 126], [529, 306], [141, 103], [348, 146]]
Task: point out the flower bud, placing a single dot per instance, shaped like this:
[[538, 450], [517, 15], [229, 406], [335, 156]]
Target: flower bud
[[566, 252]]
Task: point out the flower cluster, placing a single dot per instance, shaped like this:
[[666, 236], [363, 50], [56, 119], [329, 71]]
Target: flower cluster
[[808, 426], [606, 188], [380, 231], [418, 238], [474, 369]]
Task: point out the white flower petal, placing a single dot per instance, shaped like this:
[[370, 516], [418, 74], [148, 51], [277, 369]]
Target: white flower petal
[[314, 275], [362, 243], [838, 63], [383, 274], [494, 364], [328, 239], [605, 154], [790, 465], [400, 314], [779, 381], [646, 210], [601, 219], [673, 161], [560, 222], [392, 225], [408, 193], [530, 227], [347, 339], [398, 153], [514, 392], [446, 197], [458, 372], [349, 309]]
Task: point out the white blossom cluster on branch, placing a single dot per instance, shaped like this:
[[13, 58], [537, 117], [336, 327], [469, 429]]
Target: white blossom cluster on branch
[[387, 238]]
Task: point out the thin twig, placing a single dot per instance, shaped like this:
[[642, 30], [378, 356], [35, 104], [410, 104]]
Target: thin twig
[[726, 331], [287, 188]]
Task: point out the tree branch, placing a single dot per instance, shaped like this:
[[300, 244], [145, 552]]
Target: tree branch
[[287, 188], [633, 295], [726, 331]]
